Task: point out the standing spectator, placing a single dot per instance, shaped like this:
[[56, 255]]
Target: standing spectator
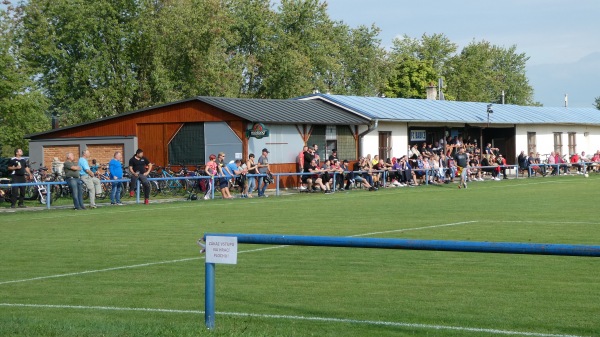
[[72, 178], [211, 169], [316, 154], [87, 177], [333, 156], [140, 167], [263, 168], [115, 167], [252, 169], [308, 157], [227, 173], [19, 169], [301, 164]]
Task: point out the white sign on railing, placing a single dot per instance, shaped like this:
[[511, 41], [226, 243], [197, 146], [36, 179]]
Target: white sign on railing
[[221, 249]]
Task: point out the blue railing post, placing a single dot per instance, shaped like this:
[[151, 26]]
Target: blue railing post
[[276, 175], [48, 195], [209, 295], [212, 187], [137, 191]]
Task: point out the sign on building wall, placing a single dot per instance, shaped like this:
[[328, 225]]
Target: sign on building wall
[[417, 135], [258, 131]]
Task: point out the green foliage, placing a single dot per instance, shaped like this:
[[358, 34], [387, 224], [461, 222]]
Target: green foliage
[[22, 107], [597, 103], [83, 60], [482, 71], [410, 78], [479, 73]]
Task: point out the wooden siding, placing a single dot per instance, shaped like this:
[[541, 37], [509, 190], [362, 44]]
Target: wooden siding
[[192, 111]]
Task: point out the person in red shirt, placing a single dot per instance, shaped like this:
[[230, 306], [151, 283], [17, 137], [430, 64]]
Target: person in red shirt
[[575, 162]]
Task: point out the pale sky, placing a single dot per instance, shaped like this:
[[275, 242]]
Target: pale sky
[[560, 36]]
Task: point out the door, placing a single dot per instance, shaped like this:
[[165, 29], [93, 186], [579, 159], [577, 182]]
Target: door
[[385, 144]]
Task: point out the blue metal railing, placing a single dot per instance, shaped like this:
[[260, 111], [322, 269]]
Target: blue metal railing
[[276, 177], [382, 243]]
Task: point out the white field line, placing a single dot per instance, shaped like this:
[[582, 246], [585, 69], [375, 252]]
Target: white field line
[[413, 229], [550, 222], [198, 258], [297, 318], [125, 267]]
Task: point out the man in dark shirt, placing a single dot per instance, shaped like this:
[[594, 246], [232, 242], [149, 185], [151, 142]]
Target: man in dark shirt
[[73, 180], [140, 167], [461, 158], [19, 168]]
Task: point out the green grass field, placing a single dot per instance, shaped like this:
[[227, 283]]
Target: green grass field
[[137, 271]]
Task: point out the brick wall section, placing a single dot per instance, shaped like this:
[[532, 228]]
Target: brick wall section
[[105, 152], [57, 151]]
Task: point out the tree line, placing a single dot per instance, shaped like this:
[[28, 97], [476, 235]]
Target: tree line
[[80, 60]]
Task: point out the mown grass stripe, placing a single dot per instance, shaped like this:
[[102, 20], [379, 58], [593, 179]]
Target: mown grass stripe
[[294, 317]]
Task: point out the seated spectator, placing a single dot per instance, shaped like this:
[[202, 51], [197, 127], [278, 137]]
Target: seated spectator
[[552, 163], [361, 176], [576, 162], [522, 161], [561, 162], [420, 169], [487, 165], [452, 169], [475, 169], [338, 173], [395, 173], [408, 176], [327, 174], [595, 161], [538, 161], [502, 163], [316, 176]]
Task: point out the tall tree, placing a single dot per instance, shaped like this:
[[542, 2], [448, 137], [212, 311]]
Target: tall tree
[[597, 103], [410, 77], [482, 71], [436, 48], [22, 106]]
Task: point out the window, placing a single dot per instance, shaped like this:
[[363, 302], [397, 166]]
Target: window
[[558, 143], [339, 137], [346, 145], [572, 143], [531, 146], [187, 147]]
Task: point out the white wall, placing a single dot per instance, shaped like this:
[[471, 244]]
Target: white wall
[[284, 144], [370, 142], [545, 138]]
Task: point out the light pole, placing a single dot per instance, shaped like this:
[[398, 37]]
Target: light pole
[[489, 112]]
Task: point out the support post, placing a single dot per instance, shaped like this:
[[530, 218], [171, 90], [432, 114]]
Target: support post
[[48, 195], [209, 295], [137, 191]]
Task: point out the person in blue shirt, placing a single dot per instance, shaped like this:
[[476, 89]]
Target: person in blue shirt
[[115, 167], [87, 177]]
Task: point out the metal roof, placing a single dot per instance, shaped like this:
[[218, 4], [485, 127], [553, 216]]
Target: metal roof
[[275, 111], [423, 110], [279, 111]]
